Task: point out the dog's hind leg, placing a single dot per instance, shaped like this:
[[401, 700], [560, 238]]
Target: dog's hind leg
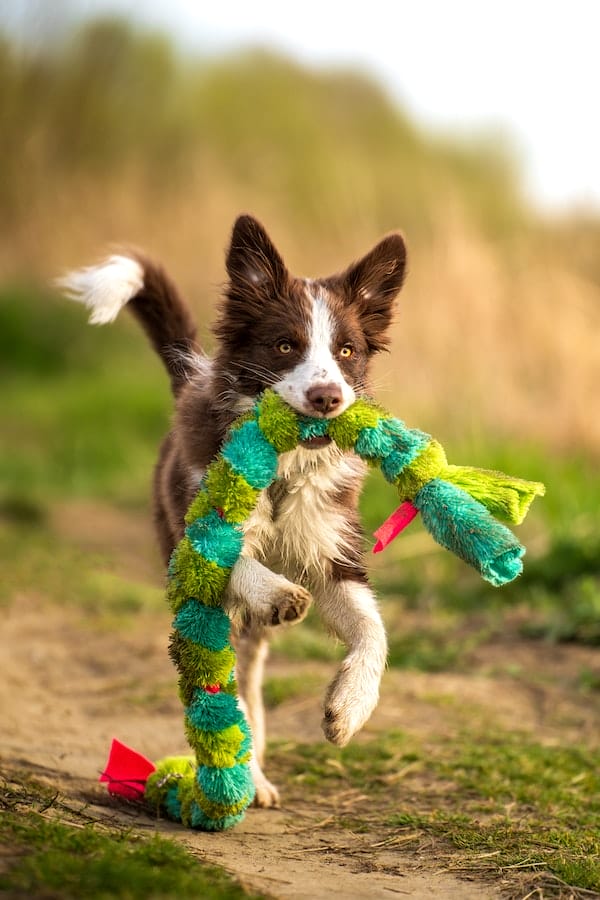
[[256, 599], [251, 649]]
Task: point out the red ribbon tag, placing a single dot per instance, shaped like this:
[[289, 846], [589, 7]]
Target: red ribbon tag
[[126, 771], [392, 527]]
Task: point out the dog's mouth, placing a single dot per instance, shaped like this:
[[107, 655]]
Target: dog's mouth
[[314, 443]]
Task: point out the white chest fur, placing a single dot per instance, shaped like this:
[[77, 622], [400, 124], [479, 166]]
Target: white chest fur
[[299, 527]]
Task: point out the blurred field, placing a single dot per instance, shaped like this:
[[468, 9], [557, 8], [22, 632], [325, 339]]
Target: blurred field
[[113, 137], [110, 137]]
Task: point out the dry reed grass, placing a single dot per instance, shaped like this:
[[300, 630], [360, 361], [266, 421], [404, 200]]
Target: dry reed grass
[[486, 340], [499, 325]]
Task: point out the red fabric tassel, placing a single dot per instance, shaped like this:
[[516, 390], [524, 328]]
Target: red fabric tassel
[[126, 771], [392, 527]]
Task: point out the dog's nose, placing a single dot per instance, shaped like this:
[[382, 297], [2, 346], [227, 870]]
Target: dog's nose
[[324, 397]]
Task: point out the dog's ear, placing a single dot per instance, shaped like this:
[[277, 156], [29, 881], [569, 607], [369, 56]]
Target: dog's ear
[[371, 286], [252, 260]]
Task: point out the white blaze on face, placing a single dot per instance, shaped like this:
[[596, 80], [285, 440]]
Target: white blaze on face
[[319, 365]]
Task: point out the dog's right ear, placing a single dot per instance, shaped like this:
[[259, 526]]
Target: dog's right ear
[[252, 260]]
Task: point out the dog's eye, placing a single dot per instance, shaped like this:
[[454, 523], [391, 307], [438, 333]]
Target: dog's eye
[[347, 351], [284, 346]]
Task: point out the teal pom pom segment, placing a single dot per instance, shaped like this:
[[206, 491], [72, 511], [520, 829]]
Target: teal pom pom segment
[[465, 527], [172, 804], [213, 712], [392, 444], [390, 438], [215, 539], [226, 786], [250, 454], [246, 744], [396, 461], [311, 428], [373, 443], [503, 568], [206, 625], [202, 822]]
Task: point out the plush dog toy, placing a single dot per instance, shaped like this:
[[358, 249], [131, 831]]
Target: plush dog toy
[[458, 505]]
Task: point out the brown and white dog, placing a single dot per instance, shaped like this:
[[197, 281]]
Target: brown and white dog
[[311, 341]]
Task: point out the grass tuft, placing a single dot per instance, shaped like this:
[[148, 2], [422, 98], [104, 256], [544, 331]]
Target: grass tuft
[[499, 803], [49, 858]]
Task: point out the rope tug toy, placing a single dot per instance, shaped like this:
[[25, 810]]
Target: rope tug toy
[[212, 791]]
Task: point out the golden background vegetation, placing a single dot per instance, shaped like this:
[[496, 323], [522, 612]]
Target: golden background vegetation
[[112, 137]]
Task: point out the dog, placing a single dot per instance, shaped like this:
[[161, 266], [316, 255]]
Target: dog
[[311, 341]]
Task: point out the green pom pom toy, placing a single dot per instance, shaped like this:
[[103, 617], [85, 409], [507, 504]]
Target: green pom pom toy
[[211, 790]]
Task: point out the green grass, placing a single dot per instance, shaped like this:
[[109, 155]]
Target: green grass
[[498, 801], [83, 409], [79, 858], [279, 689], [38, 562], [433, 649]]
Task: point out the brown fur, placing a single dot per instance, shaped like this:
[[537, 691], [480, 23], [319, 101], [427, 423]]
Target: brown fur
[[263, 303], [167, 320], [313, 341]]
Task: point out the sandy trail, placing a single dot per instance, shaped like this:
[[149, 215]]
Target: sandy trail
[[70, 684]]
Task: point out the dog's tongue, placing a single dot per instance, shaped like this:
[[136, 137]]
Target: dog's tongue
[[314, 443]]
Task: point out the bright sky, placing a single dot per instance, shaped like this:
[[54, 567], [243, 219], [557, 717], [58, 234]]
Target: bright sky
[[529, 68]]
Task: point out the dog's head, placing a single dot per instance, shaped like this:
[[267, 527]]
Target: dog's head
[[309, 340]]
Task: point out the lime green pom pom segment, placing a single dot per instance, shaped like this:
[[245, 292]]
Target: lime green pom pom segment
[[505, 497], [278, 422], [230, 492], [191, 575], [211, 790]]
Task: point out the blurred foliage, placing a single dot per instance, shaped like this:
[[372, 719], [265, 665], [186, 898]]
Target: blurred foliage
[[110, 96], [112, 135], [69, 428], [109, 115], [83, 412]]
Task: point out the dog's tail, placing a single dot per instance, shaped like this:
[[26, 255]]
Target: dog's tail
[[153, 299]]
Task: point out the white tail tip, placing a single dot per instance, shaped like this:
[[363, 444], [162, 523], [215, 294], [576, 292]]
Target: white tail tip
[[105, 288]]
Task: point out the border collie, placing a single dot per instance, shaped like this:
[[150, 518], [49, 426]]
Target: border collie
[[311, 340]]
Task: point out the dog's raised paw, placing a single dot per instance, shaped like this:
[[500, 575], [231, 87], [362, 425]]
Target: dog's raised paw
[[339, 726], [336, 727], [290, 604], [350, 699]]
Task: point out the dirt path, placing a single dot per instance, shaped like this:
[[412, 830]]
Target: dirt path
[[70, 683], [66, 690]]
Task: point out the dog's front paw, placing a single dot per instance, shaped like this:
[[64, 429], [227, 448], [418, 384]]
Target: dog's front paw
[[350, 700], [289, 605], [256, 596]]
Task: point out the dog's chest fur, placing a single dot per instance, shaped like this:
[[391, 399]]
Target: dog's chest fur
[[303, 523]]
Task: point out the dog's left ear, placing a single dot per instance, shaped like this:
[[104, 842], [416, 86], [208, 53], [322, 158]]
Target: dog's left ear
[[253, 263], [371, 286]]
